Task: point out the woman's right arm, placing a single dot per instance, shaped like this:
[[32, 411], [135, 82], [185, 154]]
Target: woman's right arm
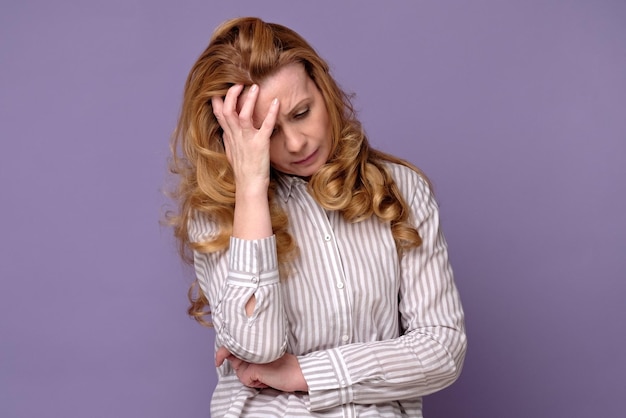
[[245, 298], [230, 278]]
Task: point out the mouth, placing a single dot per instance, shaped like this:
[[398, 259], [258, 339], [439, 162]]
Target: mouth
[[308, 159]]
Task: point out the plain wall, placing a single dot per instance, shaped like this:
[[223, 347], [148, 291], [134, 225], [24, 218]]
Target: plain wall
[[515, 109]]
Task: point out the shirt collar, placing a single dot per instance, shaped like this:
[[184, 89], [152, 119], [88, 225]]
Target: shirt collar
[[285, 184]]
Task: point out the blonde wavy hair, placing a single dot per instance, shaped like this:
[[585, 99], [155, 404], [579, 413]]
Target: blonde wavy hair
[[354, 181]]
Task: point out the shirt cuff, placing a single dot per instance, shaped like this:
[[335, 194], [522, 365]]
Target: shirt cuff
[[253, 263], [328, 379]]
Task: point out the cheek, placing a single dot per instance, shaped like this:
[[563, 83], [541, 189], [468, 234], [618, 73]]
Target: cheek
[[326, 132], [274, 152], [324, 123]]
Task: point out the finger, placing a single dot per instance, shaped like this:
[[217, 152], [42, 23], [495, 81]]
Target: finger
[[251, 378], [257, 384], [247, 109], [247, 377], [220, 355], [270, 119], [241, 371], [218, 105], [229, 109], [235, 362]]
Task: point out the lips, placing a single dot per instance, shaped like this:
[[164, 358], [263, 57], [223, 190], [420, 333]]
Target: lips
[[307, 160]]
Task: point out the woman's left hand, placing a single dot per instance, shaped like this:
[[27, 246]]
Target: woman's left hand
[[283, 374]]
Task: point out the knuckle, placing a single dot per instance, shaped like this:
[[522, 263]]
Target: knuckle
[[227, 112]]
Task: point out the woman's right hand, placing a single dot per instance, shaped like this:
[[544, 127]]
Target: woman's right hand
[[247, 148], [248, 151]]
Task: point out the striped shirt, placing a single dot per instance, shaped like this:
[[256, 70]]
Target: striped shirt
[[373, 332]]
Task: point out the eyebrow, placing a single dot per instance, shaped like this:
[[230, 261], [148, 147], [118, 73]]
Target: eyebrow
[[290, 113], [297, 106]]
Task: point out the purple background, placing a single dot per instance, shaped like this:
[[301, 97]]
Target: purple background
[[516, 110]]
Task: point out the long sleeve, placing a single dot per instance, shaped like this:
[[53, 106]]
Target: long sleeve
[[372, 332], [229, 279], [429, 353]]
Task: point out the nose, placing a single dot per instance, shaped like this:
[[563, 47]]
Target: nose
[[294, 141]]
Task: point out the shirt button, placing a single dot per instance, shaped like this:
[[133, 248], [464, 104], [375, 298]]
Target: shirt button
[[327, 237], [340, 285], [345, 338], [255, 279]]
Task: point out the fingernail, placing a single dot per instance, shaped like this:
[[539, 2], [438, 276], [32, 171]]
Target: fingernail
[[275, 101], [253, 88]]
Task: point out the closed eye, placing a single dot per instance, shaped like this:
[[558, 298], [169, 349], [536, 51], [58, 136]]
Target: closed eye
[[302, 114]]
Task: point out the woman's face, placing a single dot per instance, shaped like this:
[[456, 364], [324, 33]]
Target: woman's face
[[301, 141]]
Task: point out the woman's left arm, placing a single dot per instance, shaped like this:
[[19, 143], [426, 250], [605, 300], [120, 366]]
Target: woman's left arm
[[430, 353], [426, 358]]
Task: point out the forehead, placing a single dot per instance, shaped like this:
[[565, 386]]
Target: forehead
[[290, 85], [285, 80]]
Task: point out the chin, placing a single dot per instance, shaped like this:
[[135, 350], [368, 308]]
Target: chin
[[304, 172], [308, 172]]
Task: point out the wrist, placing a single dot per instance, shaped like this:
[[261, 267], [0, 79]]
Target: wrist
[[252, 188], [252, 219]]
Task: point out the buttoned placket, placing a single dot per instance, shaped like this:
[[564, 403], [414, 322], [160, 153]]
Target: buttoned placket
[[332, 263]]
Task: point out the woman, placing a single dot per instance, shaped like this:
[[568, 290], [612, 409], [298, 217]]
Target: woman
[[321, 259]]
